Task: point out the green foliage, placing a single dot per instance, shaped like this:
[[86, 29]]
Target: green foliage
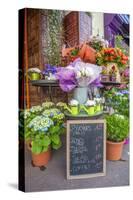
[[40, 144], [119, 100], [117, 127], [119, 44], [43, 127]]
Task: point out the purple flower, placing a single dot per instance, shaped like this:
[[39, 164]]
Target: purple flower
[[49, 69], [67, 80]]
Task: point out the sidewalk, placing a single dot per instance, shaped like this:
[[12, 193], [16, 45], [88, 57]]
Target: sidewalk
[[54, 177]]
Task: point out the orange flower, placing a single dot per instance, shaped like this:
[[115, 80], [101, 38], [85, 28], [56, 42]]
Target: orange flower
[[124, 57], [123, 62]]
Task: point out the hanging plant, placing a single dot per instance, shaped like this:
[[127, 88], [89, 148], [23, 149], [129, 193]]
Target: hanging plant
[[54, 36]]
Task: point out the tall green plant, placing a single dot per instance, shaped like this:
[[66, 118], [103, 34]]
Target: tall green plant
[[117, 127]]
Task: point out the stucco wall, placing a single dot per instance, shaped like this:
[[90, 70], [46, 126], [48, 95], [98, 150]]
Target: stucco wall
[[98, 23]]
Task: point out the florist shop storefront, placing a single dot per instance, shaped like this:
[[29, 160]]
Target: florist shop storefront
[[73, 100]]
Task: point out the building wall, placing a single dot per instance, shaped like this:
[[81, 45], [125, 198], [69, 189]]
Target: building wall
[[98, 24]]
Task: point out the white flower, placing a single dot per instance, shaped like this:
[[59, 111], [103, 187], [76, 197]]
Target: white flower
[[90, 103], [74, 102], [78, 74], [37, 70]]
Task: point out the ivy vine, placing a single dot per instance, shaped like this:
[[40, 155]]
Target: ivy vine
[[54, 36]]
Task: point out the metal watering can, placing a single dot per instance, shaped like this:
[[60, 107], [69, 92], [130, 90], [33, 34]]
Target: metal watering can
[[90, 110], [74, 110]]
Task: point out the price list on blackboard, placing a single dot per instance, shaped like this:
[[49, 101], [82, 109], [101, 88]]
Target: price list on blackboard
[[86, 148]]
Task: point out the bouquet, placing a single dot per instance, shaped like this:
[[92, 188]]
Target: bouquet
[[112, 55], [85, 52], [78, 73]]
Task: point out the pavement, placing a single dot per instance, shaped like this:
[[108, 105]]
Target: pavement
[[54, 177]]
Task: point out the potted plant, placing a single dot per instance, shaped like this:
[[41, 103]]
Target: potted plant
[[117, 132], [43, 132], [34, 74]]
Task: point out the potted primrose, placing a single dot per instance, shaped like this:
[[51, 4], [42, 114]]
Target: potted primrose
[[44, 132], [117, 132]]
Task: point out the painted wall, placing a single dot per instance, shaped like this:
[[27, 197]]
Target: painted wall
[[98, 24]]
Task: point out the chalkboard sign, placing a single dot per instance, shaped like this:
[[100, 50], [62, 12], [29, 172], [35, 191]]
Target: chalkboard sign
[[86, 147]]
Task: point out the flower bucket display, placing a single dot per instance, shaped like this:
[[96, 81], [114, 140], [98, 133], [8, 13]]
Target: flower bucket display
[[80, 94]]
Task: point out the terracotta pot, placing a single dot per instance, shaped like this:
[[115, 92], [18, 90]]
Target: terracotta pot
[[41, 159], [114, 150]]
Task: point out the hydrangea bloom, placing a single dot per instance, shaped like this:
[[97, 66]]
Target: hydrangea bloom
[[36, 109], [40, 123], [53, 113], [47, 104], [26, 113]]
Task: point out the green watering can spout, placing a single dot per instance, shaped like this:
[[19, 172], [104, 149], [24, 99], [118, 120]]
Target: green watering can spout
[[85, 109], [66, 107]]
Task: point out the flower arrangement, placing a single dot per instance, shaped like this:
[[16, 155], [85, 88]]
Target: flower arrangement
[[98, 43], [77, 73], [113, 55], [83, 51], [47, 105]]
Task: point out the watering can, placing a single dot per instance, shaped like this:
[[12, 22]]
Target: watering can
[[74, 110], [98, 108], [90, 110]]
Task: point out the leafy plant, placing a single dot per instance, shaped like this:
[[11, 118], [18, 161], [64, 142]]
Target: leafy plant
[[118, 99], [117, 127], [43, 127]]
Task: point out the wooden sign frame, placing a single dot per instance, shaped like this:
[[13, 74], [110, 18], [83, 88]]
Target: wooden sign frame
[[69, 122]]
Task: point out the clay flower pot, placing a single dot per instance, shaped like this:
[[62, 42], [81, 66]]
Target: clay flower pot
[[41, 159], [114, 150]]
